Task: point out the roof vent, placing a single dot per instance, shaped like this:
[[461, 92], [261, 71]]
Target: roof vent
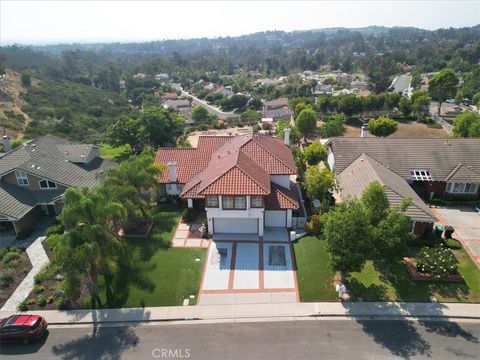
[[33, 145]]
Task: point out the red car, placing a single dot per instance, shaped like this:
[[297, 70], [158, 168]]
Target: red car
[[24, 328]]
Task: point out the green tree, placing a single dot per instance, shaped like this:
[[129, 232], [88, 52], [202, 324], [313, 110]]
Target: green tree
[[333, 126], [26, 80], [421, 106], [467, 125], [250, 116], [375, 201], [350, 105], [200, 114], [314, 153], [443, 86], [306, 122], [126, 131], [127, 182], [383, 126], [160, 127], [318, 182], [91, 244], [255, 103], [405, 106], [347, 232], [280, 131]]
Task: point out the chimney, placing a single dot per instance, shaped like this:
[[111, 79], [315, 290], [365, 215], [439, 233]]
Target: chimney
[[172, 171], [286, 137], [6, 143], [364, 132]]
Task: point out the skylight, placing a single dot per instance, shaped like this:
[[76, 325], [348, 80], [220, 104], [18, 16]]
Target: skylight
[[421, 175]]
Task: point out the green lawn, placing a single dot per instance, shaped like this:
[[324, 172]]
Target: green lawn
[[115, 153], [169, 275], [314, 273], [315, 279]]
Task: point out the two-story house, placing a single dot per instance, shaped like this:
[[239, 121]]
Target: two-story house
[[34, 176], [245, 183]]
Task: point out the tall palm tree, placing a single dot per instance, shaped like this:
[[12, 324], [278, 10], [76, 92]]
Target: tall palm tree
[[91, 242], [127, 182]]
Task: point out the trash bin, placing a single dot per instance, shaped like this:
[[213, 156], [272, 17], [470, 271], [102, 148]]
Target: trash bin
[[438, 231], [449, 230]]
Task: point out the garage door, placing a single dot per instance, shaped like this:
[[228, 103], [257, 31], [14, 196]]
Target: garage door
[[235, 226], [276, 218]]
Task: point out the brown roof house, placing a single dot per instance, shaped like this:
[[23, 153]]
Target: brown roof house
[[34, 176], [407, 168], [245, 183]]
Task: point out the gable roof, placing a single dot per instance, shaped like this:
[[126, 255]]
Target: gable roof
[[463, 173], [281, 198], [439, 156], [15, 201], [45, 157], [365, 170]]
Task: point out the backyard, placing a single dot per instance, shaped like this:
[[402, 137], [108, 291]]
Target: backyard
[[315, 279]]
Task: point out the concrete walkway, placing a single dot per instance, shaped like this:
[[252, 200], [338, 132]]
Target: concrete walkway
[[261, 312], [38, 258]]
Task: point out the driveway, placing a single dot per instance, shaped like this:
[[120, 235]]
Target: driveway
[[248, 271], [466, 222]]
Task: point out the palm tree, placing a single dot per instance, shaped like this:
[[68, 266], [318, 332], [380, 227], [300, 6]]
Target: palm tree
[[91, 242], [127, 182]]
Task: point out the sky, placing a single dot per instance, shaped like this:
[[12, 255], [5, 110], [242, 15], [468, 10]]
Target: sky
[[48, 22]]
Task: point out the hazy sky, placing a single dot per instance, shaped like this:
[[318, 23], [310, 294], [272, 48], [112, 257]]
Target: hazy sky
[[33, 22]]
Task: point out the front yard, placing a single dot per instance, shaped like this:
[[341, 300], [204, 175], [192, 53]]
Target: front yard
[[315, 279], [170, 274]]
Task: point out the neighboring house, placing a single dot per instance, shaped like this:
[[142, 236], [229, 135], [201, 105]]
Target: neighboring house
[[275, 104], [169, 96], [34, 176], [176, 104], [245, 183], [227, 91], [139, 76], [431, 167], [187, 115], [163, 77], [278, 114], [323, 89]]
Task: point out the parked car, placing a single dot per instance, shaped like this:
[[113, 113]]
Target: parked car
[[22, 328]]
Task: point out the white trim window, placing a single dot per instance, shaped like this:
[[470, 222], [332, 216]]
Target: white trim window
[[22, 178], [47, 184], [256, 201], [212, 201], [462, 188]]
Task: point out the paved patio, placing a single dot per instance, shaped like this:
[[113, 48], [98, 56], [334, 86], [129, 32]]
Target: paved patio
[[184, 236], [466, 222], [245, 271]]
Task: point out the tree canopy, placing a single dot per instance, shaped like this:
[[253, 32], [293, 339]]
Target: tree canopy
[[443, 86], [314, 153], [318, 182], [306, 122], [333, 126], [467, 125], [382, 126]]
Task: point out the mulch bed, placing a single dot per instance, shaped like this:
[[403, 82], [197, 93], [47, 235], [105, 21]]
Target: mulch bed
[[415, 275], [141, 230], [19, 271]]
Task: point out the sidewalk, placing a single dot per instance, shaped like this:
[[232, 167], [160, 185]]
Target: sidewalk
[[260, 312]]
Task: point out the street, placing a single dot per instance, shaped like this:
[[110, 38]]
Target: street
[[211, 109], [316, 339]]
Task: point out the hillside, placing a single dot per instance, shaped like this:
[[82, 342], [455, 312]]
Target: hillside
[[12, 117]]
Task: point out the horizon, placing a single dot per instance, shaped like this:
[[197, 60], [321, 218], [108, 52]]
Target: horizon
[[37, 23]]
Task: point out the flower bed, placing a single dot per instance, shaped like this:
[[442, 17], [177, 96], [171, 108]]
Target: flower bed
[[14, 266], [416, 275]]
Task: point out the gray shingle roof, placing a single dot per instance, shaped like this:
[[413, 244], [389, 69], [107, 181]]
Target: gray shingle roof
[[45, 157], [15, 201], [75, 152], [365, 170], [439, 156], [463, 173]]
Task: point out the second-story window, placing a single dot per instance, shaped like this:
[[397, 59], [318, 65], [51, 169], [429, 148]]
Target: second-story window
[[212, 201], [22, 178], [227, 202], [240, 202], [47, 184], [256, 202]]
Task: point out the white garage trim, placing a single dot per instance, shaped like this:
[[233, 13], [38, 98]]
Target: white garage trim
[[235, 226], [276, 218]]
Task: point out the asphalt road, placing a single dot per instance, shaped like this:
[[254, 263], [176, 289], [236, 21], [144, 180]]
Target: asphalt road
[[319, 339], [211, 109]]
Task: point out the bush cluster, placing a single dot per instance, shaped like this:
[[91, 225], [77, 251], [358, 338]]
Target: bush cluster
[[437, 261]]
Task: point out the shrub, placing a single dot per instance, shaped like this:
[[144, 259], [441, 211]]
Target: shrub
[[11, 256], [37, 288], [3, 252], [60, 302], [31, 302], [53, 240], [315, 225], [437, 261], [453, 244], [25, 270], [315, 153], [15, 249], [45, 273], [36, 279], [55, 229], [41, 300], [190, 215], [22, 306], [50, 299], [6, 278]]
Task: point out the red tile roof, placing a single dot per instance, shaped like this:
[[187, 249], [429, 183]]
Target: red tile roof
[[239, 165], [281, 198]]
